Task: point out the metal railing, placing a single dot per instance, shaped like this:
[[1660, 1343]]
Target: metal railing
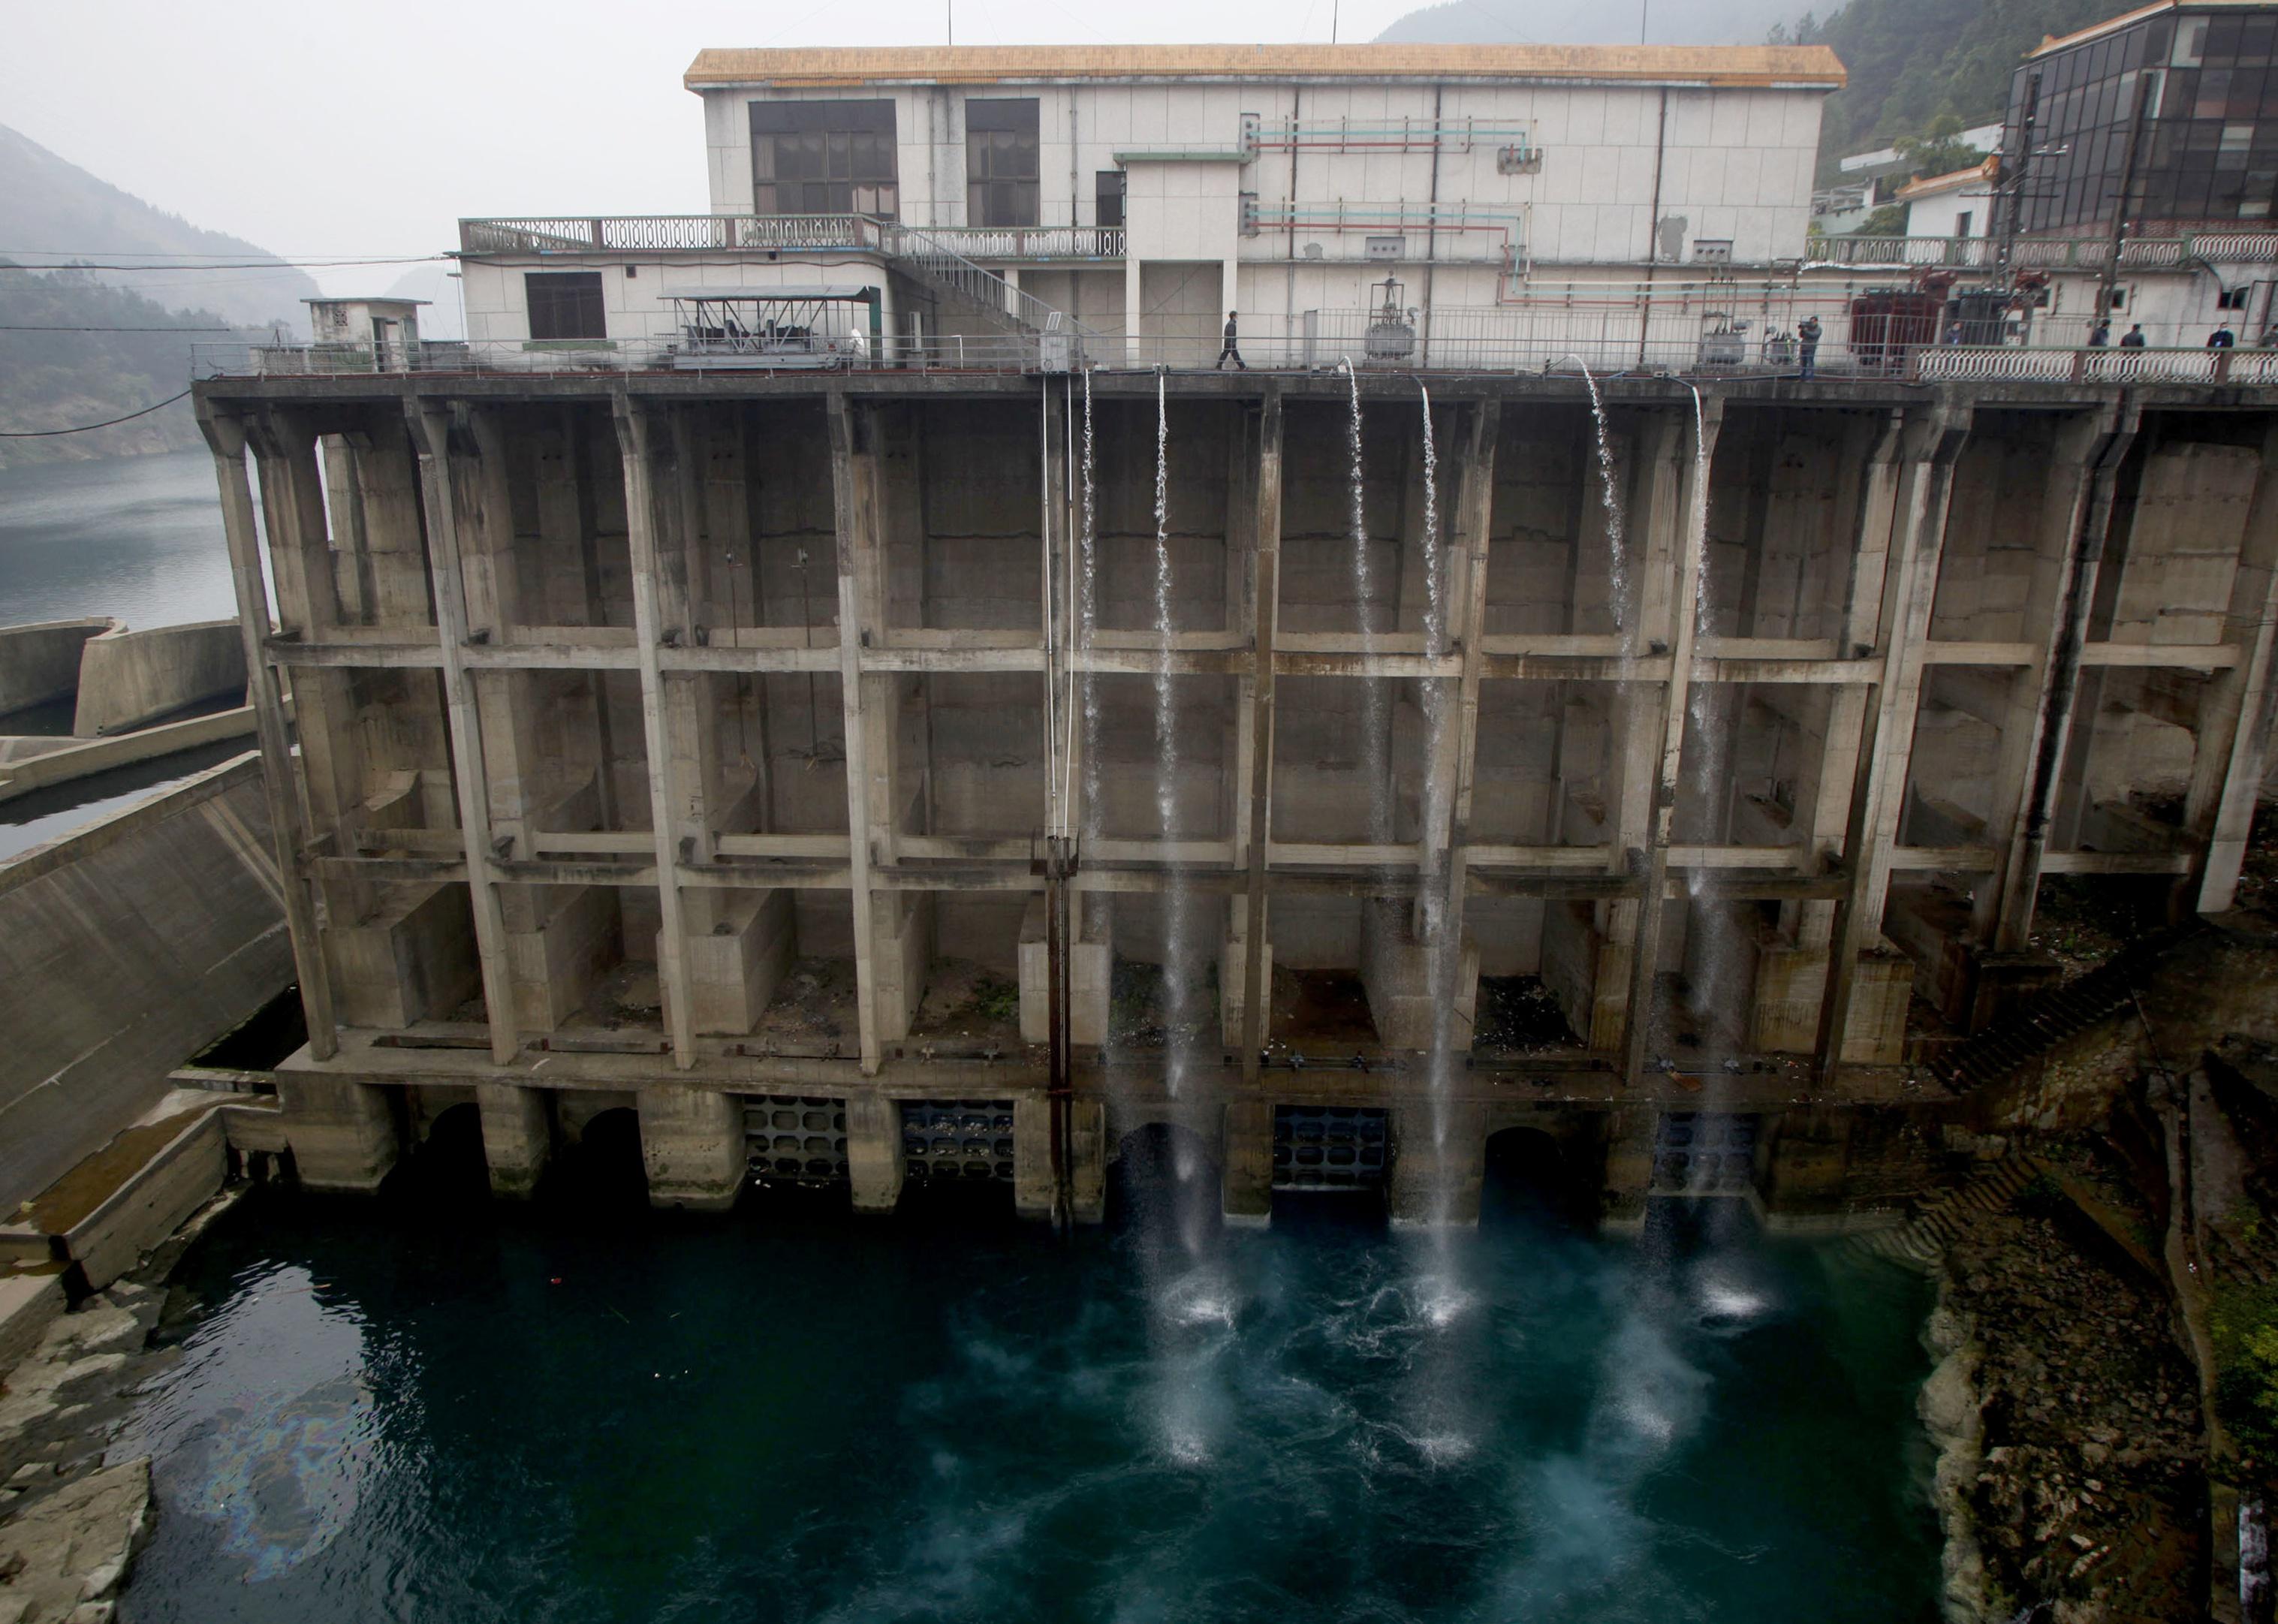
[[715, 232], [2008, 364], [1488, 342], [669, 232], [1027, 241], [933, 259], [2046, 253]]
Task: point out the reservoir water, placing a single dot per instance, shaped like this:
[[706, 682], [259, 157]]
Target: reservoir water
[[137, 537], [404, 1410]]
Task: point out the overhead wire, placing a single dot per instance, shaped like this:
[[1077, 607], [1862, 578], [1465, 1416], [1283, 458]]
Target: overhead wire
[[82, 428]]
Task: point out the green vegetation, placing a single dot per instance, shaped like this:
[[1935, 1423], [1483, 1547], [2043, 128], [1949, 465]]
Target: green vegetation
[[996, 998], [2246, 1327], [1939, 149], [1915, 64], [59, 378]]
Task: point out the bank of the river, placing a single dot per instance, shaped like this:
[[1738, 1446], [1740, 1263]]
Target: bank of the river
[[581, 1412], [2067, 1416]]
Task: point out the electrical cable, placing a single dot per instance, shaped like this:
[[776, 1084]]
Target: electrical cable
[[83, 427], [27, 328], [221, 265]]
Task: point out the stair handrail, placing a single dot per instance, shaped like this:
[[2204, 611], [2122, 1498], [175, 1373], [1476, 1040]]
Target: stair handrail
[[948, 268]]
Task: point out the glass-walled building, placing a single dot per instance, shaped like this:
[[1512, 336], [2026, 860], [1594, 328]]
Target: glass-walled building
[[2207, 148]]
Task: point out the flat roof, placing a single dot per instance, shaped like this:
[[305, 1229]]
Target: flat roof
[[1802, 67], [1931, 184], [2113, 25]]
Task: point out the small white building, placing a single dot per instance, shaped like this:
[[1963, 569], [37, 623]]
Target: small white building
[[386, 328], [1958, 204]]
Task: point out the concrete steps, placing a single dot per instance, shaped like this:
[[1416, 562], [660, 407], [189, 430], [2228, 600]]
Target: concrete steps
[[2054, 1017], [1920, 1242]]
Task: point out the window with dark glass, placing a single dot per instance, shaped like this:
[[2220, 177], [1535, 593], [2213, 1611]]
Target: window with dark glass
[[2210, 125], [1001, 161], [1107, 207], [824, 158], [565, 304]]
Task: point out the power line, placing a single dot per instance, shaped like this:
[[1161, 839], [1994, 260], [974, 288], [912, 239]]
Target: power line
[[234, 265], [17, 327], [83, 427]]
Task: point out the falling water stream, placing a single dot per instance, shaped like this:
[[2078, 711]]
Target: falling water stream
[[1177, 971], [1617, 565], [1375, 717], [1442, 953], [1714, 995], [1088, 624]]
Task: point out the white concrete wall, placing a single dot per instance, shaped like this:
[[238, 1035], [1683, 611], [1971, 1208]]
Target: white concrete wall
[[1735, 163], [635, 304], [1939, 214]]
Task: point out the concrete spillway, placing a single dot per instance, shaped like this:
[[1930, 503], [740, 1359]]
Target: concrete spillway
[[680, 742]]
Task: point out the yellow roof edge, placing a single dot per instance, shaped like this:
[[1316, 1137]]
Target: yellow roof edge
[[818, 67]]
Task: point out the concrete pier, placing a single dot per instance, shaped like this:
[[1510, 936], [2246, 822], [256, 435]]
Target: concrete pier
[[744, 701]]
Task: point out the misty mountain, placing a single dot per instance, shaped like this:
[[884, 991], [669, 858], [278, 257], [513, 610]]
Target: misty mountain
[[50, 206], [1667, 22], [439, 284]]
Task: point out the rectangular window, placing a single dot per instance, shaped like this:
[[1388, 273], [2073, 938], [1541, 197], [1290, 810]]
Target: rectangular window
[[1001, 161], [1108, 198], [1961, 222], [565, 304], [824, 158]]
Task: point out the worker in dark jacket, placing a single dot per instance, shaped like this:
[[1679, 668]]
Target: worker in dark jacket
[[2222, 338], [2133, 339], [1807, 346], [1230, 350], [2101, 337]]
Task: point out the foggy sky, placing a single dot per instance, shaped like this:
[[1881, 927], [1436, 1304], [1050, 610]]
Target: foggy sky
[[323, 130]]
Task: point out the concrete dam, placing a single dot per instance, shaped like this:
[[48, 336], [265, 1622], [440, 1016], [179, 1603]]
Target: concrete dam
[[1347, 778]]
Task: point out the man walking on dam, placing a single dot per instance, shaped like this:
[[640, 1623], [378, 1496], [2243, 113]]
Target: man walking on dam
[[1230, 349]]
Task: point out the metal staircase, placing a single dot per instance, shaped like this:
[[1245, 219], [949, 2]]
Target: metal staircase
[[1046, 339]]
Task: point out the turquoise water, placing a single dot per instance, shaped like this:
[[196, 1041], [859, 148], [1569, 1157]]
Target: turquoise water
[[582, 1412]]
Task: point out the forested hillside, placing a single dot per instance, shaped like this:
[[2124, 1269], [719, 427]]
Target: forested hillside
[[58, 373], [1912, 61]]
